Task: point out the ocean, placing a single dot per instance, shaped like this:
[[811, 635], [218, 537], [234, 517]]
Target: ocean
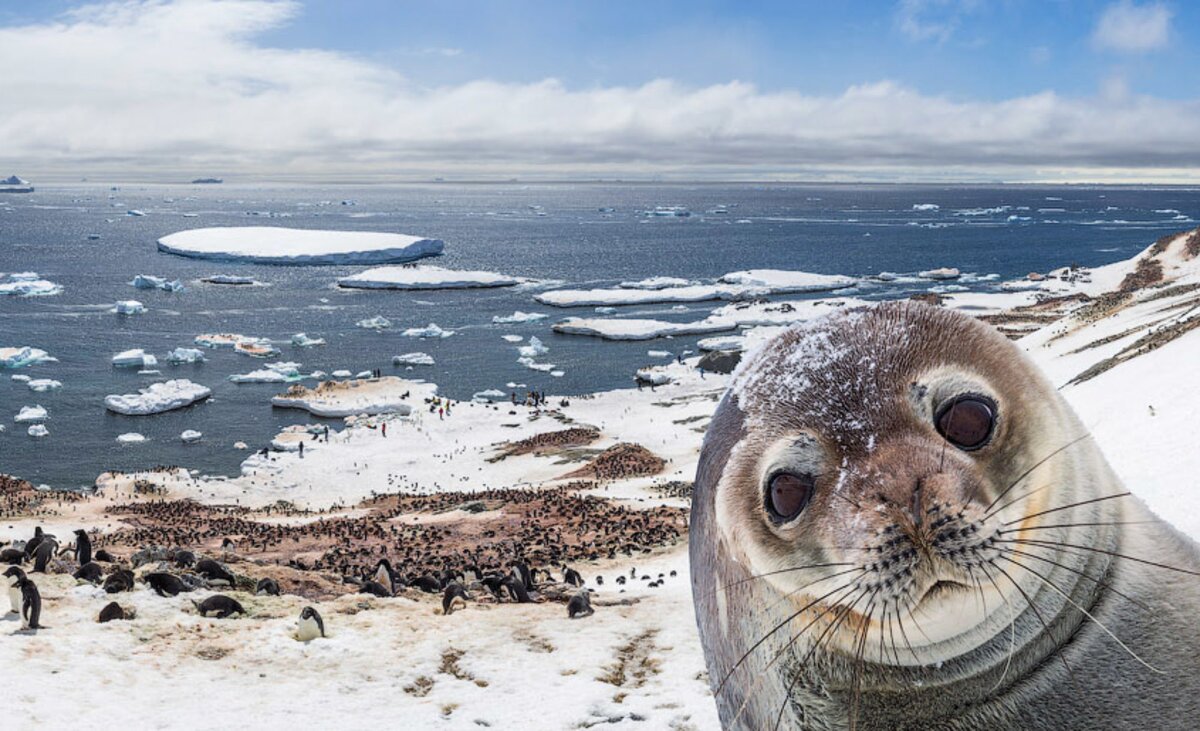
[[576, 234]]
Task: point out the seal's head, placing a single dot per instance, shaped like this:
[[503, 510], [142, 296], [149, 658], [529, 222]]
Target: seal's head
[[854, 503]]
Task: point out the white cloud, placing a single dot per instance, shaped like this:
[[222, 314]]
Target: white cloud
[[1131, 28], [173, 89], [931, 20]]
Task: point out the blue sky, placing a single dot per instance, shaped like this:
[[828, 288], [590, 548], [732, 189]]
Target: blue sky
[[1038, 68]]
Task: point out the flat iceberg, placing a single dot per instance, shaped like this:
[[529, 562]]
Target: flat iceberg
[[180, 356], [158, 397], [23, 356], [273, 373], [38, 430], [41, 385], [233, 279], [188, 436], [379, 322], [334, 399], [256, 348], [147, 281], [489, 396], [940, 273], [424, 277], [29, 284], [925, 207], [517, 317], [131, 438], [782, 281], [512, 338], [221, 340], [135, 358], [620, 296], [429, 331], [658, 283], [632, 329], [413, 359], [277, 245], [31, 414], [128, 307], [302, 340]]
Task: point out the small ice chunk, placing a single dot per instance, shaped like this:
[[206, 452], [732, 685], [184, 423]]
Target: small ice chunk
[[29, 284], [42, 385], [342, 373], [518, 317], [179, 356], [413, 359], [38, 430], [379, 322], [31, 414], [658, 353], [940, 273], [489, 396], [21, 378], [128, 307], [23, 356], [533, 349], [135, 358], [147, 281], [429, 331], [512, 338], [925, 207], [131, 438], [188, 436], [302, 340]]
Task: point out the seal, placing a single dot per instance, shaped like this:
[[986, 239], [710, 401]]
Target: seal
[[898, 523]]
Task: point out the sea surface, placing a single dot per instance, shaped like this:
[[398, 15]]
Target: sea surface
[[566, 234]]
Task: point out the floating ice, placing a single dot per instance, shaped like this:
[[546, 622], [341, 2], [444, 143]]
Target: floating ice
[[413, 359], [180, 356], [658, 283], [425, 277], [29, 284], [38, 430], [379, 322], [364, 374], [940, 273], [128, 307], [533, 349], [23, 356], [658, 353], [147, 281], [530, 364], [277, 245], [302, 340], [31, 414], [429, 331], [512, 338], [21, 378], [190, 435], [925, 207], [517, 317], [256, 347], [233, 279], [158, 397], [135, 358], [607, 297], [224, 340], [134, 212], [633, 329], [781, 281], [342, 373], [131, 438], [489, 396], [41, 385], [273, 373]]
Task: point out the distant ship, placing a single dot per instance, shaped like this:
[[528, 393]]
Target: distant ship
[[208, 181], [13, 184]]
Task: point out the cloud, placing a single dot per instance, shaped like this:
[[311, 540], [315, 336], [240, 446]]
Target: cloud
[[171, 89], [1130, 28], [931, 20]]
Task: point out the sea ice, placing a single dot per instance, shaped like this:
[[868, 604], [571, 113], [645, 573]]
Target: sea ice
[[489, 396], [413, 359], [379, 322], [658, 353], [617, 296], [29, 284], [135, 358], [31, 414], [131, 438], [632, 329], [653, 376], [38, 430], [940, 273], [277, 245], [429, 331], [658, 283], [147, 281], [272, 373], [517, 317], [781, 281], [158, 397], [342, 373], [190, 435], [533, 349], [256, 348], [23, 356], [512, 338], [925, 207], [180, 356], [424, 277], [302, 340], [42, 385], [232, 279], [128, 307]]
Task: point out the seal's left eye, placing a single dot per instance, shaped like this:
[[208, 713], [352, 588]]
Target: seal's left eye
[[787, 495], [967, 421]]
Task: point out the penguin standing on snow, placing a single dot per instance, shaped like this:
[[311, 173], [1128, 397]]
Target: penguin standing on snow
[[453, 596], [43, 553], [571, 576], [83, 547], [310, 626], [13, 578], [31, 604]]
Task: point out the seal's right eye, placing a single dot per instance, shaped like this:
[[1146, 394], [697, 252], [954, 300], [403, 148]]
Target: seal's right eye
[[787, 495]]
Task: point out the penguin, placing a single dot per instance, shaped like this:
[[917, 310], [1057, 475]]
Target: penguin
[[428, 584], [43, 553], [104, 556], [90, 572], [222, 605], [521, 572], [599, 581], [32, 544], [493, 584], [13, 575], [517, 590], [12, 556], [83, 547], [621, 580], [374, 587], [453, 595], [184, 559], [580, 605], [112, 611], [571, 576], [266, 587], [118, 581], [215, 572], [228, 544], [165, 584], [385, 575], [310, 625], [31, 604]]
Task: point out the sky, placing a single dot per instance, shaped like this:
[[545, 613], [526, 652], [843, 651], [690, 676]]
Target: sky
[[377, 90]]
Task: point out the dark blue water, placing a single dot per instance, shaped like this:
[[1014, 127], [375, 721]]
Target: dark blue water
[[854, 230]]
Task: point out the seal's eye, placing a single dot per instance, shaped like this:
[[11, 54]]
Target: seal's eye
[[787, 494], [967, 421]]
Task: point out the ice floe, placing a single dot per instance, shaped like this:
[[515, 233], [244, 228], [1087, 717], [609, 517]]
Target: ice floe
[[413, 359], [429, 331], [733, 286], [134, 358], [24, 356], [658, 283], [489, 396], [638, 329], [272, 373], [379, 322], [940, 273], [41, 385], [180, 356], [277, 245], [533, 349], [29, 284], [260, 348], [512, 338], [302, 340], [147, 281], [387, 395], [158, 397], [38, 431], [925, 207], [130, 438], [31, 414], [128, 307], [425, 277], [233, 279], [782, 281], [518, 317]]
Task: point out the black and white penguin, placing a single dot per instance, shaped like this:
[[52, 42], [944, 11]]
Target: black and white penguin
[[32, 544], [221, 605], [428, 584], [521, 572], [83, 547], [384, 574], [43, 553], [375, 588], [571, 576], [112, 611], [516, 590], [228, 544], [31, 604], [493, 584], [13, 576], [89, 572], [165, 584], [580, 605], [266, 587], [453, 596], [310, 625], [215, 572]]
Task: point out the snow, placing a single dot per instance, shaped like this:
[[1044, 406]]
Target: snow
[[518, 317], [638, 329], [425, 277], [180, 356], [23, 356], [190, 435], [347, 398], [780, 281], [732, 286], [940, 273], [232, 279], [413, 359], [29, 284], [158, 397], [135, 358], [271, 373], [130, 438], [147, 281], [277, 245], [653, 376], [302, 340], [379, 322], [38, 431], [490, 395], [30, 414], [261, 348], [429, 331], [658, 283], [128, 307], [41, 385]]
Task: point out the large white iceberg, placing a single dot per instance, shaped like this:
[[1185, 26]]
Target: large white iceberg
[[129, 307], [147, 281], [781, 281], [135, 358], [158, 397], [429, 331], [517, 317], [273, 373], [23, 356], [31, 414], [425, 277], [277, 245], [29, 284], [633, 329], [413, 359]]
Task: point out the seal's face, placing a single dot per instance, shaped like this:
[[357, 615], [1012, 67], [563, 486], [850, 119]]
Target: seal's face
[[879, 446]]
